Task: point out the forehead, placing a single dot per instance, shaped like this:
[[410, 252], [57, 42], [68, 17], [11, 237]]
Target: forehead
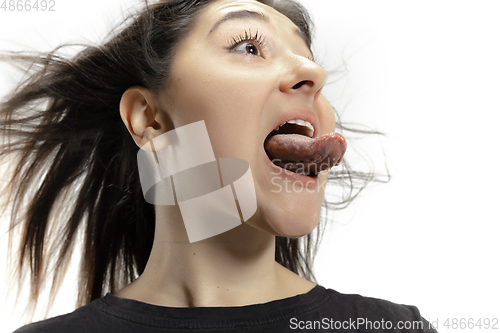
[[221, 8]]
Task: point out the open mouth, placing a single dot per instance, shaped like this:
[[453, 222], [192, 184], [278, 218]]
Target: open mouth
[[292, 146]]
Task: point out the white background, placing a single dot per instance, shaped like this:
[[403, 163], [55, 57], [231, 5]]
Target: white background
[[427, 74]]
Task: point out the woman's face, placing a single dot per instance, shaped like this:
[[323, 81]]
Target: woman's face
[[245, 69]]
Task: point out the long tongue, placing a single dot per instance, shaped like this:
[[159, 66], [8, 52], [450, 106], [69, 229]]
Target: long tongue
[[301, 154]]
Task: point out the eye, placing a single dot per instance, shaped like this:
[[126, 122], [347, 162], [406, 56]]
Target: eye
[[248, 44], [248, 48]]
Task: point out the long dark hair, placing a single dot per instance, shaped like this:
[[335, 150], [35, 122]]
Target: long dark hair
[[73, 169]]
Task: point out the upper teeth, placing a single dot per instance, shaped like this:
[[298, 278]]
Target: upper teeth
[[310, 128]]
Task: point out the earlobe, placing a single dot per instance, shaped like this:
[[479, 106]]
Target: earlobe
[[138, 112]]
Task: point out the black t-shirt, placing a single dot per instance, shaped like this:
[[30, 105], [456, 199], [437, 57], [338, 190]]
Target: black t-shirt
[[319, 310]]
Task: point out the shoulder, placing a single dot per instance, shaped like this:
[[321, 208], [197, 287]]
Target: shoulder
[[370, 305], [370, 312], [84, 319]]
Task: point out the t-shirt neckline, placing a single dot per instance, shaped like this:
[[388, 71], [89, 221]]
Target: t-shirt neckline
[[177, 317]]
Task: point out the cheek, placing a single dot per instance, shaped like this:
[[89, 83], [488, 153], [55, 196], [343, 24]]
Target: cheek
[[216, 82], [230, 99]]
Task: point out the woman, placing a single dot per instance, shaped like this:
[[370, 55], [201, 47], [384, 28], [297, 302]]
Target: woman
[[242, 68]]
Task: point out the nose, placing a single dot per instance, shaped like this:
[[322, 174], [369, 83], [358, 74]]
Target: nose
[[303, 76]]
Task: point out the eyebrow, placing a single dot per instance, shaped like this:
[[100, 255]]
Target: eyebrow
[[241, 14]]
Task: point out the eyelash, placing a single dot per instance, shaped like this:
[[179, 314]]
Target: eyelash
[[259, 40]]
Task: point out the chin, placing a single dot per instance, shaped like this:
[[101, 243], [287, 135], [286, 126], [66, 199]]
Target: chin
[[286, 211], [284, 220], [294, 225]]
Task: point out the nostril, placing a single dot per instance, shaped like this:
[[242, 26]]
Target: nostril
[[301, 83]]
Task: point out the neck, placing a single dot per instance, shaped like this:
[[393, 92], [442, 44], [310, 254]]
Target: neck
[[234, 268]]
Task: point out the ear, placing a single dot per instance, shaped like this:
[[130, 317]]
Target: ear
[[138, 109]]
